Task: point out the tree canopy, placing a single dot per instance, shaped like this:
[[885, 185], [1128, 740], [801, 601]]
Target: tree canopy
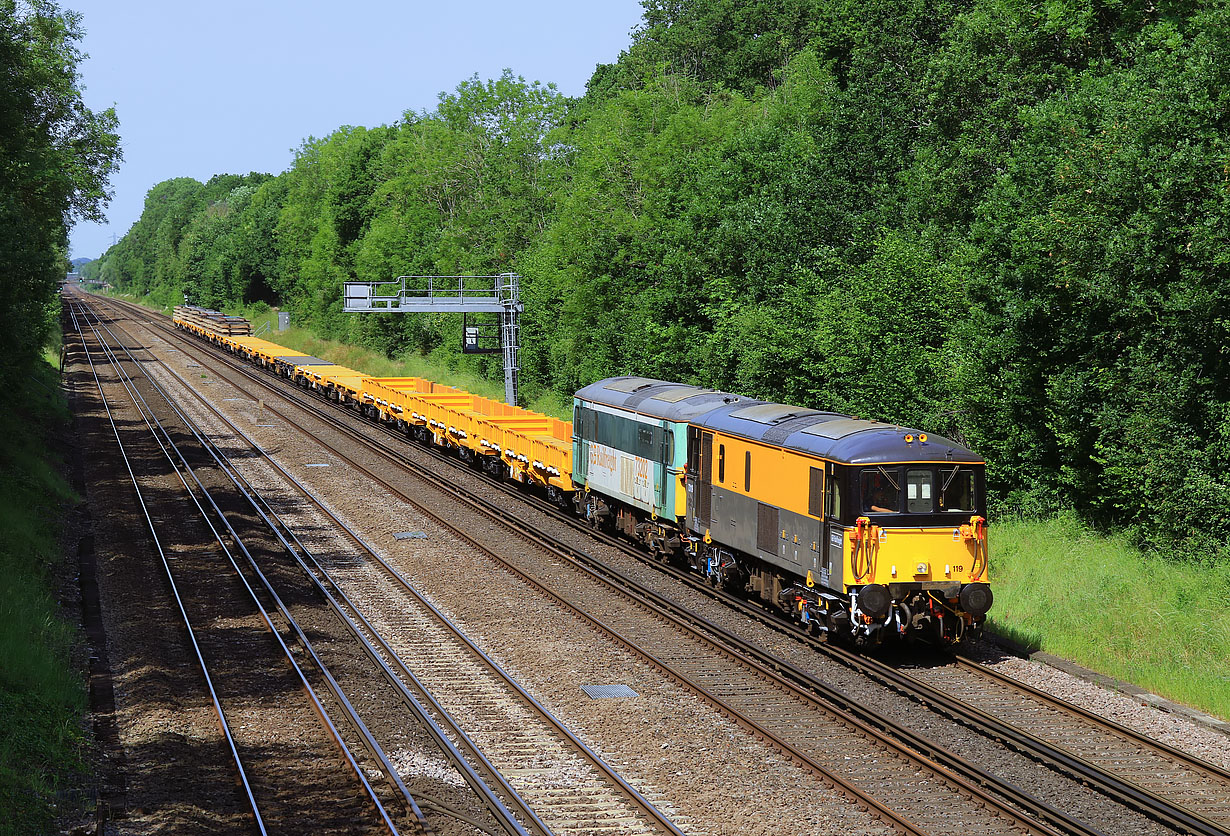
[[999, 221], [56, 156]]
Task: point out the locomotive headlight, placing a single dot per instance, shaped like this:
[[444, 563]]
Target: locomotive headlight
[[921, 569]]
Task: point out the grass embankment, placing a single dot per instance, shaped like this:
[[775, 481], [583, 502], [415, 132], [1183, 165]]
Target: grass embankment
[[1059, 586], [42, 693], [1095, 599]]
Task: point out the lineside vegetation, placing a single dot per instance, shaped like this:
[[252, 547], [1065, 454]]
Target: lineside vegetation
[[55, 159], [1004, 222], [1096, 599], [42, 695]]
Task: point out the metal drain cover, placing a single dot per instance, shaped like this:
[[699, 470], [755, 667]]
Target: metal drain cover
[[608, 692]]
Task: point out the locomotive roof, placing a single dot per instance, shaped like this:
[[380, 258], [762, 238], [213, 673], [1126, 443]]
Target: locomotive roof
[[829, 435], [658, 398]]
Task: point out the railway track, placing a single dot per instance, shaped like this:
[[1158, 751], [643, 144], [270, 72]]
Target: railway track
[[523, 747], [313, 744], [815, 733], [1146, 766], [515, 734], [1177, 790]]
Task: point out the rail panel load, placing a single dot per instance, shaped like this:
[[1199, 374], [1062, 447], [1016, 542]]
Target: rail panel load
[[212, 322]]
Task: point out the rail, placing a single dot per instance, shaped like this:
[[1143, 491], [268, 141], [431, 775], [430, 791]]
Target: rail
[[185, 473], [887, 813]]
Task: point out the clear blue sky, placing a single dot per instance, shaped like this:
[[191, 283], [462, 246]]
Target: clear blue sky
[[230, 86]]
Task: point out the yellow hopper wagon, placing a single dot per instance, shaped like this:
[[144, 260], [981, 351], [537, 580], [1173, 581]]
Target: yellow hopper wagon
[[505, 440]]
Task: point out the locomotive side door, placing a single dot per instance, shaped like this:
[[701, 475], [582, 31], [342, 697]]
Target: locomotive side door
[[661, 461], [581, 456], [825, 501], [582, 430], [699, 482]]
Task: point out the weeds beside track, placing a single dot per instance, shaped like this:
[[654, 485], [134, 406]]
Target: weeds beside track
[[42, 690]]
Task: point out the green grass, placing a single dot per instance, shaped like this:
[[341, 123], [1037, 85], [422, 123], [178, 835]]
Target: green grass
[[1095, 599], [42, 694]]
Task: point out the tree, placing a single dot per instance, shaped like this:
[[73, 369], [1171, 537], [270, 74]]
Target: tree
[[1099, 341], [1005, 222], [56, 156]]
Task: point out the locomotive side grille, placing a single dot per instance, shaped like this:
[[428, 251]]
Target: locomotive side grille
[[766, 528]]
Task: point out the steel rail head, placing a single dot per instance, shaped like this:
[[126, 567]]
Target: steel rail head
[[224, 724], [1039, 808], [337, 593], [880, 808], [506, 817], [327, 722], [613, 775]]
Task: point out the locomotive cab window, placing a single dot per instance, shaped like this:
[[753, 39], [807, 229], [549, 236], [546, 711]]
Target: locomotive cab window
[[919, 491], [957, 489], [881, 491], [721, 464]]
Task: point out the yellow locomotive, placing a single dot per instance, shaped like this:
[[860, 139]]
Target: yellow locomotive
[[861, 529]]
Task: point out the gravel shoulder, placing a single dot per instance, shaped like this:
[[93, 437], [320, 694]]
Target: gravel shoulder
[[1179, 726]]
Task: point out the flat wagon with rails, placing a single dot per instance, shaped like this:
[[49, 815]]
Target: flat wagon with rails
[[504, 439]]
